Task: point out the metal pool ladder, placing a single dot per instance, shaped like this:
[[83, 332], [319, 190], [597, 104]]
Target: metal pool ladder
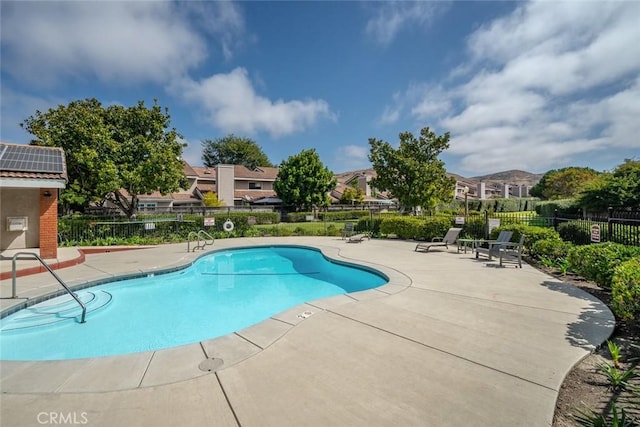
[[199, 235], [66, 288]]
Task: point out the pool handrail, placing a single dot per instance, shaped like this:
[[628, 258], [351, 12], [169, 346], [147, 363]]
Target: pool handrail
[[199, 235], [66, 288]]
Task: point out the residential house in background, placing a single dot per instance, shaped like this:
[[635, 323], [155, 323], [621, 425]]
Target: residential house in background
[[234, 185], [360, 179]]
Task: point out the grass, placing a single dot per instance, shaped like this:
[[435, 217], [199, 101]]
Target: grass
[[319, 228]]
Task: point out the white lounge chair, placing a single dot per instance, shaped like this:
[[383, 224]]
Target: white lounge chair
[[357, 238], [448, 239]]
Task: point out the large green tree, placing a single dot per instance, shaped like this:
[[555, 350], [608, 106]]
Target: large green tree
[[563, 183], [303, 181], [114, 153], [412, 173], [620, 188], [233, 150], [352, 194]]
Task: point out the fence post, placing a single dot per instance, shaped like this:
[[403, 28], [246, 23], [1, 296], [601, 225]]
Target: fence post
[[555, 219], [609, 223], [486, 224]]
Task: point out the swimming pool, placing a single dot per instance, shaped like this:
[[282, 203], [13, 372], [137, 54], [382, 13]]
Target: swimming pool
[[220, 293]]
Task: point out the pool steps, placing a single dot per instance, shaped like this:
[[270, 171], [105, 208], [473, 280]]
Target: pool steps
[[64, 308]]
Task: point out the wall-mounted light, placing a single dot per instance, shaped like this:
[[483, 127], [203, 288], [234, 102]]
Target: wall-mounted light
[[46, 193]]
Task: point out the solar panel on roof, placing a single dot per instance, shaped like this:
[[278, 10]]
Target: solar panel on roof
[[29, 158]]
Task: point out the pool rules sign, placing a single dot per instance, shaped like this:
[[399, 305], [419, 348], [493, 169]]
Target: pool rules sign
[[595, 233]]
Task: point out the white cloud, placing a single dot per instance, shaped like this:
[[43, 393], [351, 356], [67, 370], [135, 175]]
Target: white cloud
[[352, 157], [17, 107], [221, 19], [231, 103], [127, 42], [192, 153], [390, 115], [392, 17], [547, 85]]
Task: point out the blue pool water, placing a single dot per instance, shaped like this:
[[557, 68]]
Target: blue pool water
[[220, 293]]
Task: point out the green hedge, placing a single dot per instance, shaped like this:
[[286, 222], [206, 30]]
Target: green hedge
[[625, 289], [597, 262], [369, 225], [574, 231], [564, 207], [343, 215], [532, 233], [420, 228], [328, 215], [500, 205], [552, 249]]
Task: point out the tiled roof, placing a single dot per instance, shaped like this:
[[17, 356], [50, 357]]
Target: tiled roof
[[187, 169], [253, 194], [206, 187], [204, 172], [261, 173]]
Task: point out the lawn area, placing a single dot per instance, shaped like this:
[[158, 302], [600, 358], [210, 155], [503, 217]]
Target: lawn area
[[311, 228]]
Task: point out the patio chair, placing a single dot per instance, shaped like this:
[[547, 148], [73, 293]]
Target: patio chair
[[348, 230], [357, 238], [449, 239], [513, 251], [493, 246]]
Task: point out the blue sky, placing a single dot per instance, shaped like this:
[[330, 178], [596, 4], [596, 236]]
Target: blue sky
[[519, 85]]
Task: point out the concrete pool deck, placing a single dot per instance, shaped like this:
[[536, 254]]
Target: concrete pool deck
[[451, 340]]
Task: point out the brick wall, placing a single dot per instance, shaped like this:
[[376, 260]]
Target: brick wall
[[49, 223]]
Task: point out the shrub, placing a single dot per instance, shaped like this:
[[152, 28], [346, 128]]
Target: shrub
[[405, 227], [555, 250], [343, 215], [369, 225], [532, 233], [625, 289], [474, 227], [597, 262], [434, 227], [564, 207], [575, 231], [410, 227]]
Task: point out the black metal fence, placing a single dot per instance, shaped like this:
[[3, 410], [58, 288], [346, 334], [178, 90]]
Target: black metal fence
[[621, 226], [614, 226]]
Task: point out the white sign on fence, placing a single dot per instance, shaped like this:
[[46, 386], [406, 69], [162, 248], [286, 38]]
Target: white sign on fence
[[459, 220], [209, 222], [149, 225], [595, 233], [493, 223]]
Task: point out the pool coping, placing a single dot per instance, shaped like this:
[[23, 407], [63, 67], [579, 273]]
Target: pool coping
[[155, 368]]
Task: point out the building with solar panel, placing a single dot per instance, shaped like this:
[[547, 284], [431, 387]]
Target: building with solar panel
[[30, 178]]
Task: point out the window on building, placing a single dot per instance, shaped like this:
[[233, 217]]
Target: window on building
[[255, 186]]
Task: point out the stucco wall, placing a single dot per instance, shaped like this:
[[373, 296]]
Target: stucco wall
[[20, 202]]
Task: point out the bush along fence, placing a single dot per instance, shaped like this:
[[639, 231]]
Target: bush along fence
[[614, 226], [156, 228]]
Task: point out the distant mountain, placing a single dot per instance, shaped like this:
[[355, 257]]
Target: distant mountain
[[513, 177], [510, 177]]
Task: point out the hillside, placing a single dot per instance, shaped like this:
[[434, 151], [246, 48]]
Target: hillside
[[510, 177], [513, 177]]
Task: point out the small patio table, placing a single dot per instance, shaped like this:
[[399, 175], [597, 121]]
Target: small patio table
[[471, 243]]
